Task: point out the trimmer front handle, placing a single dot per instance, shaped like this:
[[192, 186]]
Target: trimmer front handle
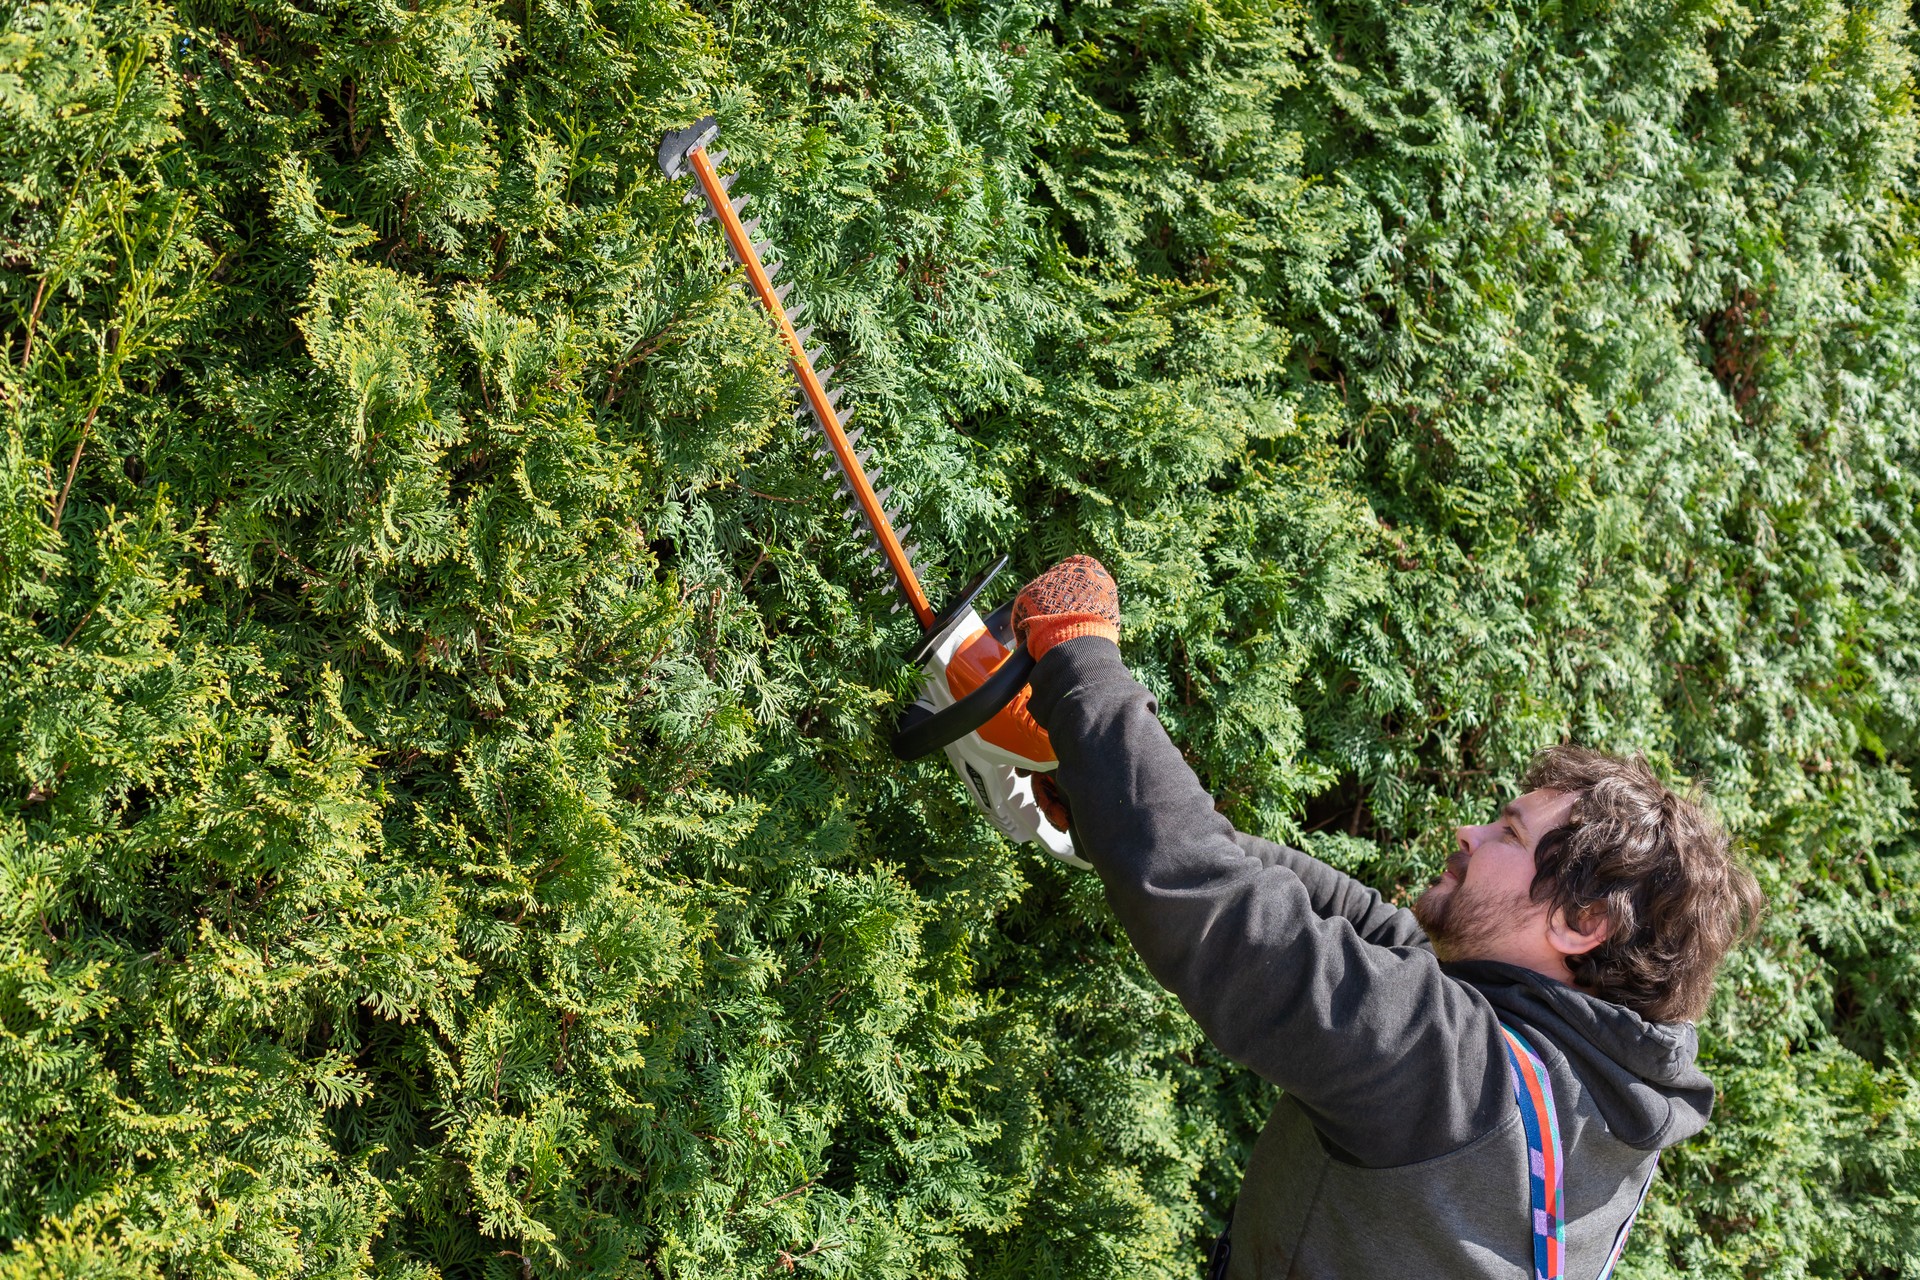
[[921, 729]]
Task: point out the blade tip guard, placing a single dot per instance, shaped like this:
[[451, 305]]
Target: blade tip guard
[[675, 146]]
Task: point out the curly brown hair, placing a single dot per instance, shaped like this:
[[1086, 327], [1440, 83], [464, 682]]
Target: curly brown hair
[[1661, 869]]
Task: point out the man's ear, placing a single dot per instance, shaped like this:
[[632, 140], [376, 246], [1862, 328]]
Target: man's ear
[[1571, 939]]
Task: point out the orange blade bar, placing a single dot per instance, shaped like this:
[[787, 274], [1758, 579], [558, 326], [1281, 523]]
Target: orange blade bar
[[816, 394]]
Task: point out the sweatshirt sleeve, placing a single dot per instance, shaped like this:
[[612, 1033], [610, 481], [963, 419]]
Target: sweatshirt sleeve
[[1334, 893], [1391, 1059]]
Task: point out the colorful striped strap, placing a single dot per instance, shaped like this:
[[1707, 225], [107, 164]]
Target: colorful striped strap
[[1545, 1174], [1545, 1180]]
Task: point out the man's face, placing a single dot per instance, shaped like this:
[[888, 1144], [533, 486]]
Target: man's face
[[1481, 908]]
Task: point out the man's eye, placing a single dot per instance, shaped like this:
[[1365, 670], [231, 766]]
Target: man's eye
[[1512, 834]]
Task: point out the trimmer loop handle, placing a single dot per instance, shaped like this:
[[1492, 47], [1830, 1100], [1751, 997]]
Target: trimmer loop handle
[[921, 729]]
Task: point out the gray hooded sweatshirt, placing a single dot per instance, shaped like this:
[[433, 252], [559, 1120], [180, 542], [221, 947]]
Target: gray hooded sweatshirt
[[1397, 1148]]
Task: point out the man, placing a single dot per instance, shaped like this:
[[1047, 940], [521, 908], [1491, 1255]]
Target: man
[[1587, 918]]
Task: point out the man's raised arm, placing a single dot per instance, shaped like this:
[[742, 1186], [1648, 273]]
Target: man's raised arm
[[1334, 893], [1390, 1057]]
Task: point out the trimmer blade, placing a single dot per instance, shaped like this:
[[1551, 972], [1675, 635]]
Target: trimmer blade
[[683, 152]]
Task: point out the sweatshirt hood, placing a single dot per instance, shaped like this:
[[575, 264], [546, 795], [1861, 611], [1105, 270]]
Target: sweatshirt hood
[[1643, 1076]]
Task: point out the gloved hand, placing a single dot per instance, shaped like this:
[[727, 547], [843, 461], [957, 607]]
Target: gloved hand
[[1074, 598], [1052, 801]]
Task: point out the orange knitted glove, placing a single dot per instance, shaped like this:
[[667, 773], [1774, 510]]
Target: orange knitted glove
[[1074, 598], [1052, 801]]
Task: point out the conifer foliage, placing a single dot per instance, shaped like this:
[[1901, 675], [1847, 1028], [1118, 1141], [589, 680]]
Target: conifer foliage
[[445, 827]]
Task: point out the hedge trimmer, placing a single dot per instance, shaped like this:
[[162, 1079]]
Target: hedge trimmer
[[974, 702]]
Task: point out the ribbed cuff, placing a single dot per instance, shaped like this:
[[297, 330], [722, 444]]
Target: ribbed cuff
[[1050, 629]]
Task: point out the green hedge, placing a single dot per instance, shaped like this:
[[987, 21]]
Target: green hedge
[[445, 826]]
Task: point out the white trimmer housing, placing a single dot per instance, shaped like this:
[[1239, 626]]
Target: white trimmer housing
[[989, 771]]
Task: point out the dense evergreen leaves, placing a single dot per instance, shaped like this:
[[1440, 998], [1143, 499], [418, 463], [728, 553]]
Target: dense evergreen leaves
[[444, 823]]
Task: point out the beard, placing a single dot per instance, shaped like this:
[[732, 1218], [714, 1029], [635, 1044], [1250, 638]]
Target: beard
[[1464, 923]]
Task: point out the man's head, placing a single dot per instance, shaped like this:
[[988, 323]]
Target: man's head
[[1602, 877]]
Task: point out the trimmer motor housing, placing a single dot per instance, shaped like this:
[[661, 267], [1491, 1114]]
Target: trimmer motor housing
[[971, 664]]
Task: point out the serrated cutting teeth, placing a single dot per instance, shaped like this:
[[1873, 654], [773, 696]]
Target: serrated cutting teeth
[[872, 511]]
